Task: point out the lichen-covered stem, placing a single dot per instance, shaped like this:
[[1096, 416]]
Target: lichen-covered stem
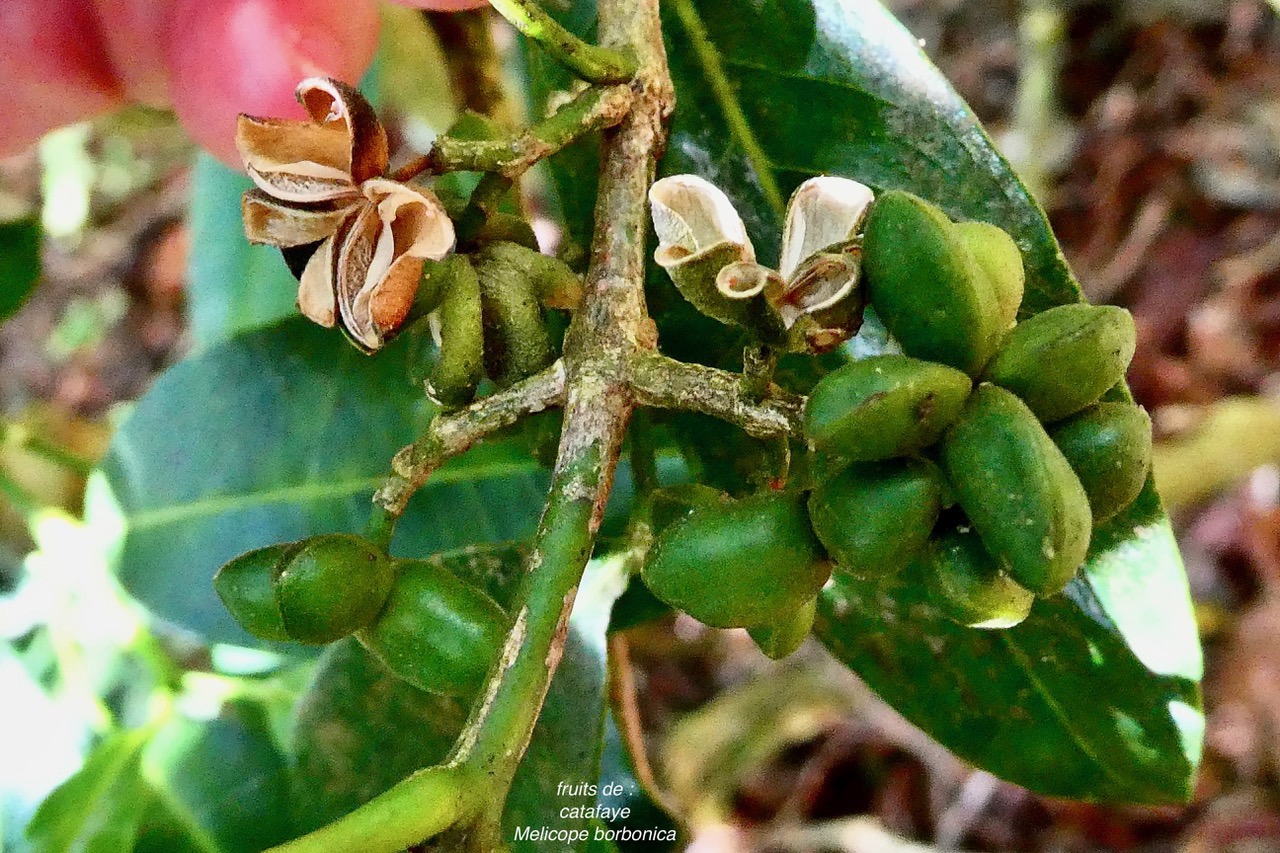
[[608, 330], [665, 383]]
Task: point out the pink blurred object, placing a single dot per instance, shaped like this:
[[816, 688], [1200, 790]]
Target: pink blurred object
[[67, 60]]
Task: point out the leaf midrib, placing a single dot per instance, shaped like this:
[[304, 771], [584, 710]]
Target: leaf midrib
[[306, 493]]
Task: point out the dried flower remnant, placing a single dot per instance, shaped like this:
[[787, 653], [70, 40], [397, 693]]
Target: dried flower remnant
[[320, 181], [812, 303]]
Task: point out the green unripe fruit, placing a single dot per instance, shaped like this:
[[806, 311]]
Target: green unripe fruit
[[1109, 448], [875, 518], [963, 581], [1001, 259], [1018, 490], [437, 632], [331, 586], [926, 285], [781, 639], [1064, 359], [884, 406], [750, 562], [247, 587]]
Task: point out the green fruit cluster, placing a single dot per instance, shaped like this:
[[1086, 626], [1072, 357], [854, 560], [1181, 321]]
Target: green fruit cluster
[[429, 627], [984, 451]]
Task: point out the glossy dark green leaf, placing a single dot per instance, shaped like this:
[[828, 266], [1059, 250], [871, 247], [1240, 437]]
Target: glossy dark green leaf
[[220, 786], [99, 809], [361, 730], [232, 285], [19, 263], [277, 435]]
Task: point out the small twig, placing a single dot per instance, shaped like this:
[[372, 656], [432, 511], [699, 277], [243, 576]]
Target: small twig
[[644, 467], [1151, 222], [473, 62], [594, 109], [451, 434], [1240, 271], [669, 384], [971, 800], [816, 772], [609, 328], [626, 711], [591, 63], [18, 436]]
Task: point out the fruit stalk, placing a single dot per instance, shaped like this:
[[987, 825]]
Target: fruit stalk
[[665, 383]]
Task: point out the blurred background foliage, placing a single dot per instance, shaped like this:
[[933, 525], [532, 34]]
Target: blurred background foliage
[[1150, 131]]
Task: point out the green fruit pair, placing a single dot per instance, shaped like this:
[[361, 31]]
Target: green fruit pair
[[489, 316], [749, 563], [1109, 448], [876, 519], [315, 591], [429, 627], [947, 292]]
